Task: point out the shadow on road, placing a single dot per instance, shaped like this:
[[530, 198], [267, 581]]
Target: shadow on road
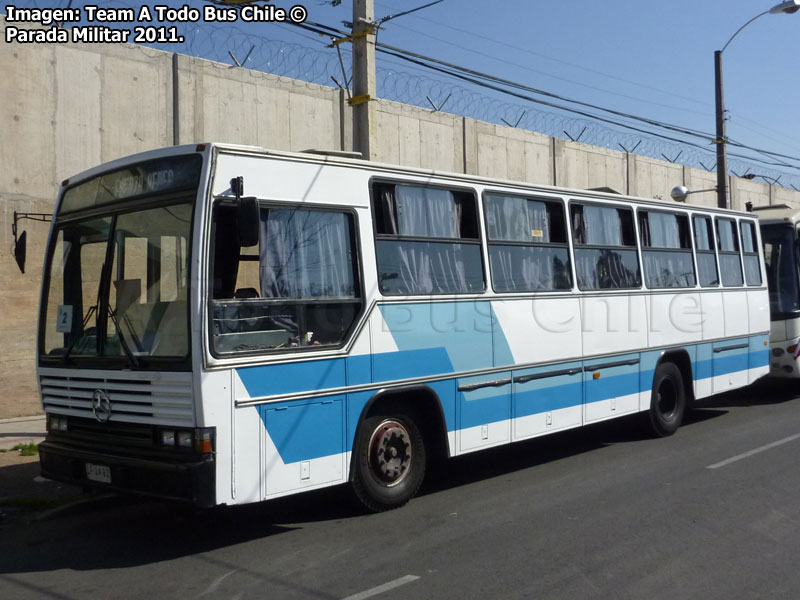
[[124, 532], [764, 392], [120, 532]]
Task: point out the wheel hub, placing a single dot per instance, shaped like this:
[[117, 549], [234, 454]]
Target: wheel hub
[[390, 452]]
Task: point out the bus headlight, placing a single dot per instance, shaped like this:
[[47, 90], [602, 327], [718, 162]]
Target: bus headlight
[[56, 423], [201, 440]]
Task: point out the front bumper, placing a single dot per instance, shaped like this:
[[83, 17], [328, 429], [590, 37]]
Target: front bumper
[[782, 362], [190, 480]]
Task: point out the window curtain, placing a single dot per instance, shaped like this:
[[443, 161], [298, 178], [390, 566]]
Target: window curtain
[[515, 219], [663, 230], [606, 268], [427, 267], [707, 269], [752, 270], [529, 268], [748, 239], [702, 238], [668, 269], [602, 226], [726, 237], [421, 267], [305, 254], [426, 212], [731, 269]]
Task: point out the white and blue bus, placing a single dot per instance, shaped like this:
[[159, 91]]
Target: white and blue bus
[[223, 324]]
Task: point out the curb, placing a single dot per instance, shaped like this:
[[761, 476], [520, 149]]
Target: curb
[[22, 419]]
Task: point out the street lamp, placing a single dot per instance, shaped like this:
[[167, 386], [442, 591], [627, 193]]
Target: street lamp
[[680, 192], [788, 7]]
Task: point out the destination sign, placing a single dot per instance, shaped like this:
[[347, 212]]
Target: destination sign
[[155, 177]]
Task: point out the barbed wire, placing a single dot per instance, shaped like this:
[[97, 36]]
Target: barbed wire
[[416, 87]]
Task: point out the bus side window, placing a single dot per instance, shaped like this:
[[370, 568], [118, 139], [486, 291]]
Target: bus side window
[[298, 287], [666, 250], [528, 248], [427, 240], [730, 263], [605, 247], [704, 250], [752, 264]]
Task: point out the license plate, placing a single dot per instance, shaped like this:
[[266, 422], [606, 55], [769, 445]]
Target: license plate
[[99, 473]]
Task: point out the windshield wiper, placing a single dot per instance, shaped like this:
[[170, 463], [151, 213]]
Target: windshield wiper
[[122, 341]]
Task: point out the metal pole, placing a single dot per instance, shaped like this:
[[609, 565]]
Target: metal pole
[[722, 158], [364, 84]]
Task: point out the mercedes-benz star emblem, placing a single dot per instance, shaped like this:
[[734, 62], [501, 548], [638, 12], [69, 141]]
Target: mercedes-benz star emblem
[[101, 406]]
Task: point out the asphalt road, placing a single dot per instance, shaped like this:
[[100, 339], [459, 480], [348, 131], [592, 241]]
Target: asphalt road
[[604, 512]]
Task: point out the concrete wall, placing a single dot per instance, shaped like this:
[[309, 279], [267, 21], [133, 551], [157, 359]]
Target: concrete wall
[[64, 108]]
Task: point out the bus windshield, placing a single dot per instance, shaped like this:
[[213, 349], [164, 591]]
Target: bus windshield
[[117, 286], [780, 257]]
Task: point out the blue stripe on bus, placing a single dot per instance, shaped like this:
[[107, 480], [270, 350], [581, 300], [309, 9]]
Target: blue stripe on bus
[[305, 430], [296, 426], [291, 378]]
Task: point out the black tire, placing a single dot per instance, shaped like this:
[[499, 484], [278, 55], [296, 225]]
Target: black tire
[[388, 461], [667, 401]]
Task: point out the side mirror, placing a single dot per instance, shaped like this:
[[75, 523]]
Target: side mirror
[[20, 248], [247, 221]]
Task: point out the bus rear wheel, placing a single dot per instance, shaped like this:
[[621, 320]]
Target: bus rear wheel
[[667, 402], [389, 461]]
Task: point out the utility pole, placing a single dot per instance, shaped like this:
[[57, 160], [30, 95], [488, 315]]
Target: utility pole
[[364, 85], [722, 157]]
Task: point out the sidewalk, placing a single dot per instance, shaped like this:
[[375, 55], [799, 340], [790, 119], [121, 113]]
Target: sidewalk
[[21, 430]]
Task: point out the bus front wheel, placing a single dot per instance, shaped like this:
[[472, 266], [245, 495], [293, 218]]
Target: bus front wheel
[[667, 402], [389, 461]]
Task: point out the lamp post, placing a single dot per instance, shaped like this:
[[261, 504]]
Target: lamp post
[[788, 7]]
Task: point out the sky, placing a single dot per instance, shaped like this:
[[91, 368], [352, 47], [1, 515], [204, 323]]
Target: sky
[[646, 58]]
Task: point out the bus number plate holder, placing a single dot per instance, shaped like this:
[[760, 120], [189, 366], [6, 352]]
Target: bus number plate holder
[[99, 473]]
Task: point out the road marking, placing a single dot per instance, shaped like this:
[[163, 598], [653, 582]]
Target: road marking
[[733, 459], [382, 588], [216, 583]]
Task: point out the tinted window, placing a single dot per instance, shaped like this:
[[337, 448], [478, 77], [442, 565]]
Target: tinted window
[[704, 250], [666, 250], [730, 263], [605, 247], [527, 244], [780, 257], [304, 291], [752, 262], [426, 240]]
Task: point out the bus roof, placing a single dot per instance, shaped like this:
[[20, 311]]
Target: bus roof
[[778, 213], [347, 160]]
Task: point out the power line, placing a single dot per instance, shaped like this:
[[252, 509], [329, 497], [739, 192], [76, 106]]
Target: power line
[[492, 82], [556, 77], [559, 61]]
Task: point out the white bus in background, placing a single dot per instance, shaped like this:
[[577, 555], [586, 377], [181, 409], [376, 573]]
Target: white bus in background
[[224, 324], [779, 236]]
